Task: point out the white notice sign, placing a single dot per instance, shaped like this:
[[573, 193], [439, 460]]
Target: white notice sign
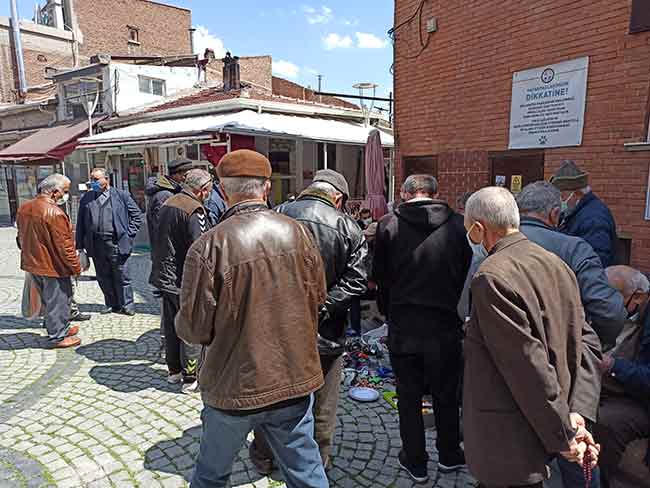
[[548, 105]]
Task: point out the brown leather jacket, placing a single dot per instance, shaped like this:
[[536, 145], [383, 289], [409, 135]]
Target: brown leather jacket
[[251, 290], [45, 239]]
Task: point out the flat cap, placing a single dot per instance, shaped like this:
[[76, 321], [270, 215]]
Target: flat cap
[[180, 165], [244, 162], [337, 180], [569, 177]]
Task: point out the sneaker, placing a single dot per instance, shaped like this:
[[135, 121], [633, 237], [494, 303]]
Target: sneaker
[[175, 379], [452, 462], [190, 388], [80, 317], [417, 473]]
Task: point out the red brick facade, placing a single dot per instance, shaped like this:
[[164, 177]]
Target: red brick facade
[[453, 99], [162, 29]]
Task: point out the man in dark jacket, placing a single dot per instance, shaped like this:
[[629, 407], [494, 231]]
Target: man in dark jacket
[[159, 189], [420, 264], [625, 405], [107, 223], [251, 291], [584, 214], [216, 204], [522, 351], [344, 250], [539, 204], [183, 219]]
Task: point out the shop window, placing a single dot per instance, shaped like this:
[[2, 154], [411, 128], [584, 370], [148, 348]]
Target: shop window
[[640, 18], [77, 94], [420, 165], [134, 35], [152, 86]]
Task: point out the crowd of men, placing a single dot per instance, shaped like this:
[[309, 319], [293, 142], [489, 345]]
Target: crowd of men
[[514, 301]]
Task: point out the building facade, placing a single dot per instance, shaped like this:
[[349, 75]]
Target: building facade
[[454, 69]]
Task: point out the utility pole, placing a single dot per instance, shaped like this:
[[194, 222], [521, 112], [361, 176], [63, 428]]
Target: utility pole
[[320, 79]]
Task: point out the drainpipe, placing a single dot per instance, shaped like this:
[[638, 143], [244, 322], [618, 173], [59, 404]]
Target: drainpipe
[[20, 61]]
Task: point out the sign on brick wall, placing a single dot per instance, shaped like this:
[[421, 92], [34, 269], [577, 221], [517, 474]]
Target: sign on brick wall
[[548, 105]]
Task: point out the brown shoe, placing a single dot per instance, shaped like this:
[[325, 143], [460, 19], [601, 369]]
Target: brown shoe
[[68, 342], [73, 331]]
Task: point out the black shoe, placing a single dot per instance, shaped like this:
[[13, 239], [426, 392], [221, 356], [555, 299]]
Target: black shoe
[[107, 310], [452, 462], [80, 317], [128, 312], [417, 473]]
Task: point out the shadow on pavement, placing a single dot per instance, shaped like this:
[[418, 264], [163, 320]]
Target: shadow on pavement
[[178, 456], [147, 347], [130, 378], [24, 340], [14, 322]]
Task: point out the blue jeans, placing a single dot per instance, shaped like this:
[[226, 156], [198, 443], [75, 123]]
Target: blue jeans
[[289, 431], [573, 477]]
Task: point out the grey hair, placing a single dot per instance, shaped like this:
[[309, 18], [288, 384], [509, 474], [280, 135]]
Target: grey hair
[[197, 179], [495, 206], [420, 184], [54, 182], [540, 197], [637, 282], [101, 170], [247, 186], [326, 188]]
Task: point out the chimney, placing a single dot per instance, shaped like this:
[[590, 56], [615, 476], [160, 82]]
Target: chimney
[[231, 79]]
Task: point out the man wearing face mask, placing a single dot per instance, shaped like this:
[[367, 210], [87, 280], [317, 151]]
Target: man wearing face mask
[[107, 223], [522, 352], [420, 264], [584, 214], [183, 219], [344, 251], [48, 253], [624, 414]]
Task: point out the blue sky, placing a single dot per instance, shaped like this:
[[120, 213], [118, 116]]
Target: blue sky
[[344, 40]]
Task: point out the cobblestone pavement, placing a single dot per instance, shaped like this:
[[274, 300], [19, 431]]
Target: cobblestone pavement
[[103, 415]]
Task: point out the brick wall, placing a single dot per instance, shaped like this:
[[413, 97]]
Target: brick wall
[[253, 69], [163, 30], [453, 100], [290, 89]]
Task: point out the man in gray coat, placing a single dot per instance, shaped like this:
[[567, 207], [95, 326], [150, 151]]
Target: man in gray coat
[[539, 205]]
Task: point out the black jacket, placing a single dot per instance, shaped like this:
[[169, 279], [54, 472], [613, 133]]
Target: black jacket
[[158, 189], [343, 249], [420, 264], [183, 219]]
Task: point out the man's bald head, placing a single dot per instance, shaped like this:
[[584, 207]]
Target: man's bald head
[[633, 285]]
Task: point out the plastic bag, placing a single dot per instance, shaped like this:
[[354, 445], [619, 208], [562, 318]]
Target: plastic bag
[[31, 304]]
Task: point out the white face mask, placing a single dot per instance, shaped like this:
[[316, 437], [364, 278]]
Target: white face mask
[[63, 200], [367, 221], [479, 249], [565, 203]]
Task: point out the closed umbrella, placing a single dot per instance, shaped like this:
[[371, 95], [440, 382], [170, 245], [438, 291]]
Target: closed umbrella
[[375, 177]]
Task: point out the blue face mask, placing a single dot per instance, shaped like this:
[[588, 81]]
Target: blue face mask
[[478, 250], [95, 186]]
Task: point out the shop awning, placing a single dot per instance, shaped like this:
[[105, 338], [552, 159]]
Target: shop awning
[[245, 122], [47, 145]]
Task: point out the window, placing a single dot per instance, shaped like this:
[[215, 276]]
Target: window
[[77, 94], [152, 86], [417, 165], [134, 35], [640, 18]]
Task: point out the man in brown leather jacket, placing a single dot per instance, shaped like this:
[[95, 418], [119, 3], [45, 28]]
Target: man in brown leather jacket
[[250, 294], [48, 253]]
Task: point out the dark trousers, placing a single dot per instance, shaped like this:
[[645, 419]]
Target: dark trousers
[[621, 420], [113, 276], [355, 315], [437, 372], [180, 356], [326, 402], [56, 295]]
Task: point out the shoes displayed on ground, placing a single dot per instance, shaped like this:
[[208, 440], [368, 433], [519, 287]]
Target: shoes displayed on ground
[[263, 466], [67, 342], [452, 462], [175, 379], [73, 331], [417, 473], [80, 317]]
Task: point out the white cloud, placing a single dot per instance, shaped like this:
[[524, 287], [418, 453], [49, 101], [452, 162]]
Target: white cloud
[[351, 23], [334, 41], [285, 69], [203, 39], [318, 16], [312, 71], [370, 41]]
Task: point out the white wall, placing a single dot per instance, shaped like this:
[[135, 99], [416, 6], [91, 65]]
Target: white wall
[[126, 77]]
